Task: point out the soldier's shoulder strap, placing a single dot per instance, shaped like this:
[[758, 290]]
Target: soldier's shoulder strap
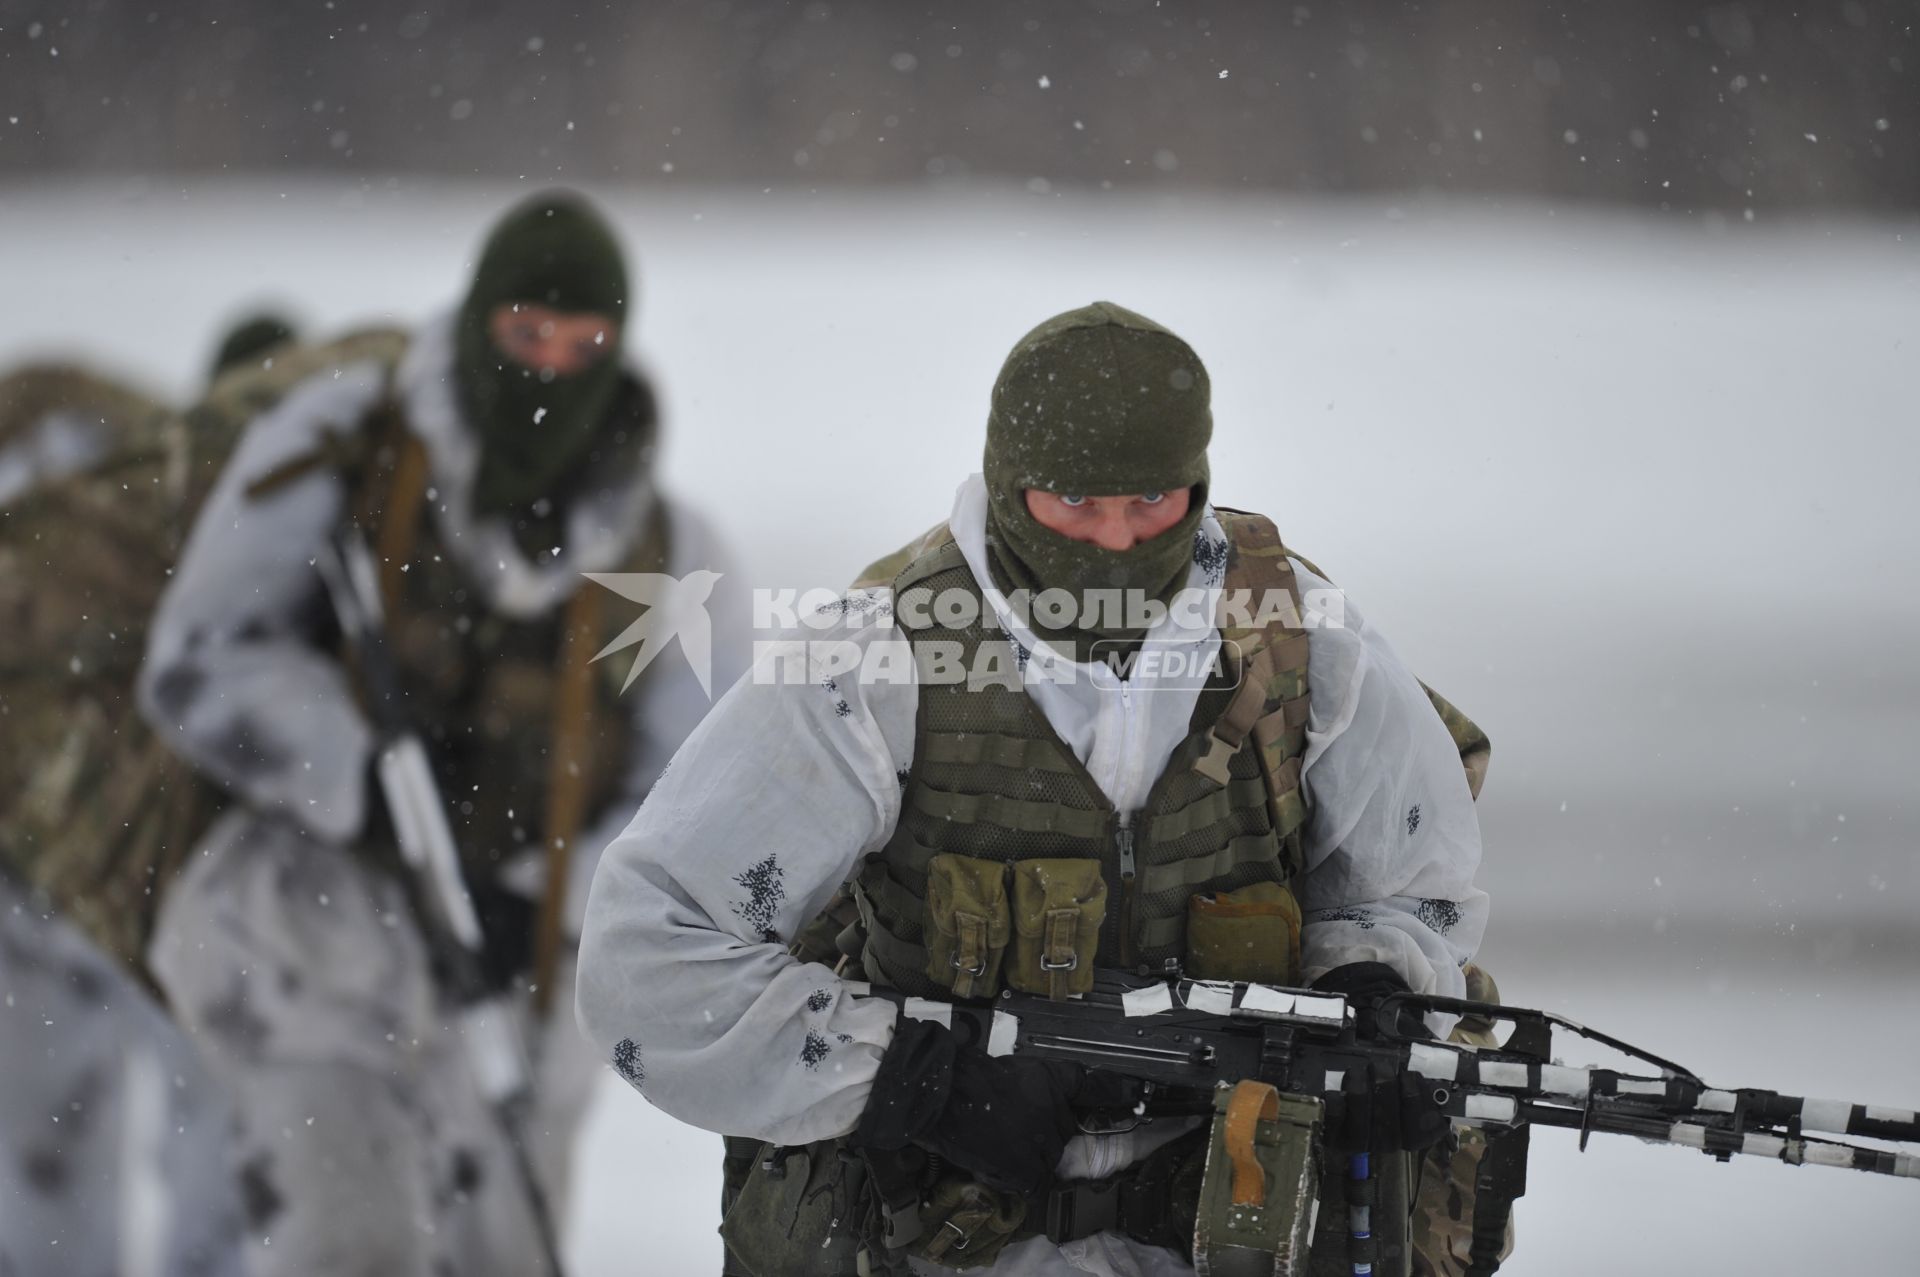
[[238, 396], [1264, 645], [888, 570], [1256, 542]]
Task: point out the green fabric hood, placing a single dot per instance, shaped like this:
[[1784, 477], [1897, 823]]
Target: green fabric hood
[[1098, 401], [551, 250]]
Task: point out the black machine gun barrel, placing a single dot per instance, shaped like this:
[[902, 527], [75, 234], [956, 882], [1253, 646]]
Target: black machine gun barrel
[[1195, 1036]]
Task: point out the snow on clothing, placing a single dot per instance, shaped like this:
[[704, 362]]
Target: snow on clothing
[[112, 1136], [285, 951], [788, 785]]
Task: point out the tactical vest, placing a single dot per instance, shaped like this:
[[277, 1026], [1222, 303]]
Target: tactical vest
[[486, 689], [992, 782], [527, 738]]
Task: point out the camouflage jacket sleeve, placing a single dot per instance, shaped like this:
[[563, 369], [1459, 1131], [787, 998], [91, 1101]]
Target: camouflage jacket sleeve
[[1393, 841], [685, 980], [234, 678]]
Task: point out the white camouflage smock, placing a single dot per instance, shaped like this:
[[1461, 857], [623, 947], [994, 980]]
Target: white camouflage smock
[[363, 1143], [785, 788]]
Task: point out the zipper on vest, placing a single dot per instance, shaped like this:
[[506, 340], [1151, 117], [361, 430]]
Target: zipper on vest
[[1123, 853]]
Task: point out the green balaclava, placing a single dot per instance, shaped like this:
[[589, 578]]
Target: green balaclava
[[551, 250], [249, 340], [1096, 402]]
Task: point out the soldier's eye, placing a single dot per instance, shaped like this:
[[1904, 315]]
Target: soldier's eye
[[1152, 498], [1068, 499]]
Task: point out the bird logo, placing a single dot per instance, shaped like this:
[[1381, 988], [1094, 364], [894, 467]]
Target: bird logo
[[675, 607]]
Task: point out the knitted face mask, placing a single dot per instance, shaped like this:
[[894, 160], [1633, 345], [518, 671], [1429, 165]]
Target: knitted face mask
[[553, 251], [1095, 402]]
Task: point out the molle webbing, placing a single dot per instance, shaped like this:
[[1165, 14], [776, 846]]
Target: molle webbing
[[991, 780]]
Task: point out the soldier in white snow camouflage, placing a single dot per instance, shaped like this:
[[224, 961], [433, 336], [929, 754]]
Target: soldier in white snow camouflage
[[1300, 815], [489, 460]]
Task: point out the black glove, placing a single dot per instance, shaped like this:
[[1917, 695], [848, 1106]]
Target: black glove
[[1365, 985], [1401, 1107], [1005, 1118]]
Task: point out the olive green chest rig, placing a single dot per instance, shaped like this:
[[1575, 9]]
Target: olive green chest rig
[[1009, 866], [509, 706]]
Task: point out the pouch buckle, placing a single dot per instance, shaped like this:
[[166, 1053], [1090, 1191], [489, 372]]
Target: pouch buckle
[[961, 1233], [1213, 764], [1071, 964]]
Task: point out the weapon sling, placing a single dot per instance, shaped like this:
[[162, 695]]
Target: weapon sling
[[362, 592]]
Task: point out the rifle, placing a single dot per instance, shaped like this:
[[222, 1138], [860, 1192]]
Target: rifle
[[437, 889], [1333, 1066]]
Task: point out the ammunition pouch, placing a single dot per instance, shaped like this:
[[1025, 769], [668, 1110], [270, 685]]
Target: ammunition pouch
[[1058, 905], [965, 1224], [967, 924], [1049, 918], [1249, 934], [799, 1213], [1259, 1199]]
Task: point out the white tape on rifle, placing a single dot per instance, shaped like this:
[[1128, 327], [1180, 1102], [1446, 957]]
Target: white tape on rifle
[[1877, 1114], [1628, 1086], [1906, 1165], [1259, 997], [940, 1013], [1558, 1079], [1492, 1108], [1718, 1101], [1691, 1136], [1433, 1062], [1211, 997], [1000, 1037], [1503, 1073], [858, 988], [1763, 1146], [1321, 1006], [1830, 1155], [1826, 1115], [1151, 1000]]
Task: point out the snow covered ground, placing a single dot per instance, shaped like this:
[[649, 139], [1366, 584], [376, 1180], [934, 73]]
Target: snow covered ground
[[1635, 492]]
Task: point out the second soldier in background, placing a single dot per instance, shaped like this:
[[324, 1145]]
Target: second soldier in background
[[489, 460]]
